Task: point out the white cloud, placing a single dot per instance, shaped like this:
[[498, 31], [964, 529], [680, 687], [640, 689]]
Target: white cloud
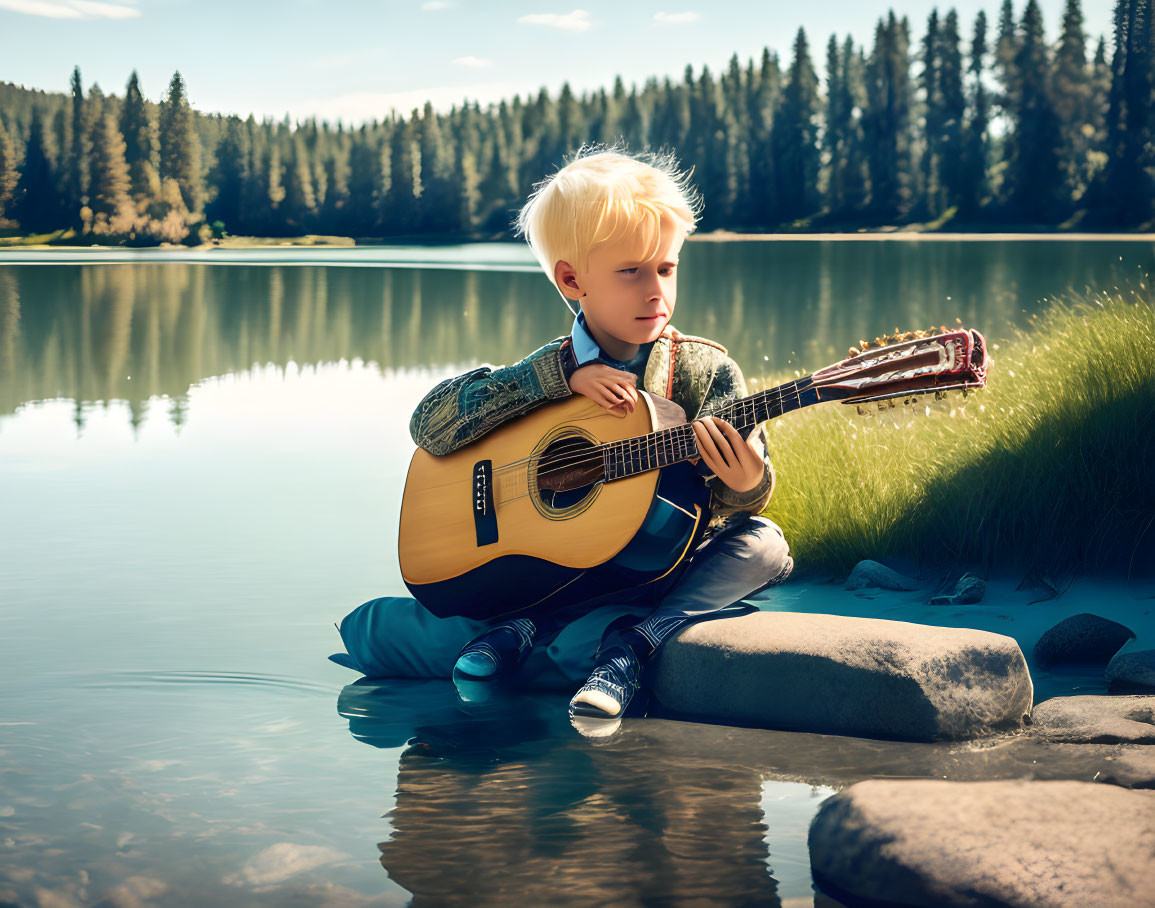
[[577, 21], [677, 18], [279, 862], [70, 9], [473, 62], [434, 6]]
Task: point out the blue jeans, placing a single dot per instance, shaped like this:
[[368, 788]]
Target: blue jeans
[[748, 554]]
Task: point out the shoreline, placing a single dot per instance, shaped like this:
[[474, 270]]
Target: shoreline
[[716, 236]]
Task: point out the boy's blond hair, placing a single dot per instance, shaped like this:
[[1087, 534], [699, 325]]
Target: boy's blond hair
[[604, 195]]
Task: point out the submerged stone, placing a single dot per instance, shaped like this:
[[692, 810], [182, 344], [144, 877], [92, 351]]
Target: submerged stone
[[1132, 671], [849, 676], [930, 842], [872, 574], [1081, 639], [969, 590], [1095, 720]]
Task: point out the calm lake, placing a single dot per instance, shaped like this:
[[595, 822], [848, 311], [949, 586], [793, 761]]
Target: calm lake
[[201, 464]]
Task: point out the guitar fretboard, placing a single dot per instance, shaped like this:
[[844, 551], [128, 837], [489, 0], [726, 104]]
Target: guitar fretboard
[[669, 446]]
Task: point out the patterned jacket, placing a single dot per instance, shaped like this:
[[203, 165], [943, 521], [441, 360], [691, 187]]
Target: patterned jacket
[[461, 410]]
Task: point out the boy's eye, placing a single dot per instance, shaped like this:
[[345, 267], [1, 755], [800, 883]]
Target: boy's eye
[[667, 270]]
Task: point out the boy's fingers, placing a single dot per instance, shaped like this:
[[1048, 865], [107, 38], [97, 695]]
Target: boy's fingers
[[706, 445], [720, 442]]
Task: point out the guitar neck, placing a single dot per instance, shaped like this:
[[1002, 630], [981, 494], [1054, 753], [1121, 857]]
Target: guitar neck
[[669, 446]]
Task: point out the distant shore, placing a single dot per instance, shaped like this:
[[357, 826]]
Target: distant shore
[[715, 236]]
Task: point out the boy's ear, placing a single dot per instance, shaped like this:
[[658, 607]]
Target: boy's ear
[[565, 277]]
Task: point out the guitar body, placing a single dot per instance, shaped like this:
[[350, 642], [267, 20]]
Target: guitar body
[[483, 536]]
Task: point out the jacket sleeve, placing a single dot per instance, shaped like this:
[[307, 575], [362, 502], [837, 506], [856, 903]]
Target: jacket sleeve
[[727, 386], [460, 410]]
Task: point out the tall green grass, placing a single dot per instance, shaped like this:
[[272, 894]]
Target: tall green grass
[[1049, 470]]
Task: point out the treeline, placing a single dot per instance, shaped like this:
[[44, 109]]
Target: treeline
[[995, 129]]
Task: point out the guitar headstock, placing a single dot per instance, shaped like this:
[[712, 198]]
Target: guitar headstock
[[906, 364]]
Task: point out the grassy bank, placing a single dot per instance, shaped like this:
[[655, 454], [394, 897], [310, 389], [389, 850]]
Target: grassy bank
[[1050, 470]]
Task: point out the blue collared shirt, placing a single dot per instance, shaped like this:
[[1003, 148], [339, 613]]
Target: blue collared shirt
[[586, 351]]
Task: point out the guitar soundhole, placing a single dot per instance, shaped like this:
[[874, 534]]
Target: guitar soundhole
[[567, 472]]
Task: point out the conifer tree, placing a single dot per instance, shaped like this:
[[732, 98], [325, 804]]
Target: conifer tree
[[274, 194], [300, 204], [1128, 191], [952, 119], [78, 170], [229, 176], [365, 182], [9, 174], [1073, 103], [571, 124], [975, 151], [837, 124], [857, 174], [1005, 54], [886, 123], [110, 207], [932, 199], [180, 151], [400, 211], [490, 199], [436, 164], [794, 138], [1033, 146], [337, 173], [763, 103], [37, 203], [139, 137]]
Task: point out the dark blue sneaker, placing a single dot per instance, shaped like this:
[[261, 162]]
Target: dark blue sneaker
[[608, 691], [498, 652]]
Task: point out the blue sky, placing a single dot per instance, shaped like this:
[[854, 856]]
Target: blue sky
[[357, 59]]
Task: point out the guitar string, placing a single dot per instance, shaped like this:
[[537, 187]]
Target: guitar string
[[594, 453], [680, 434], [778, 399], [590, 455]]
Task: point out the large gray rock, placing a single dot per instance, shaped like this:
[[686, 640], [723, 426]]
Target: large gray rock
[[1081, 639], [930, 842], [1096, 720], [851, 676], [1132, 671]]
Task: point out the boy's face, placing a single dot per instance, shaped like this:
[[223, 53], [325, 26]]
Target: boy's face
[[628, 299]]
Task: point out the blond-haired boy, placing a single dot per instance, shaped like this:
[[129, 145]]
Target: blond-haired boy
[[608, 229]]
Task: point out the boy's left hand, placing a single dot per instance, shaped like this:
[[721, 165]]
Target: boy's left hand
[[729, 456]]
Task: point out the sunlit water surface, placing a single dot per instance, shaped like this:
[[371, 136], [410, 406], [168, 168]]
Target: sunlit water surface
[[201, 470]]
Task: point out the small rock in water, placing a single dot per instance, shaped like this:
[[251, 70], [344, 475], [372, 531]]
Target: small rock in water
[[1082, 639], [1095, 720], [871, 573], [969, 590], [1132, 671]]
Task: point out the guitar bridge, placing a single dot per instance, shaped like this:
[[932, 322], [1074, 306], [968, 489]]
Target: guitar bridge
[[484, 516]]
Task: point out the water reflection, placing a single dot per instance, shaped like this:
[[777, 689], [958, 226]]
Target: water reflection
[[506, 802], [510, 804], [131, 332]]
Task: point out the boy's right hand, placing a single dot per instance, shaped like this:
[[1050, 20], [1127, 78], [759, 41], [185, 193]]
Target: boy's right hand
[[606, 386]]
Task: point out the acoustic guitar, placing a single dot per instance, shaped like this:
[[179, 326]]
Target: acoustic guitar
[[570, 502]]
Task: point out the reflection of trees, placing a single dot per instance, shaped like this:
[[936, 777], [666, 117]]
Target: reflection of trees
[[79, 332]]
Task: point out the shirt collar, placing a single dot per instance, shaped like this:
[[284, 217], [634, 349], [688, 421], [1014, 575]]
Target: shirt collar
[[585, 348]]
